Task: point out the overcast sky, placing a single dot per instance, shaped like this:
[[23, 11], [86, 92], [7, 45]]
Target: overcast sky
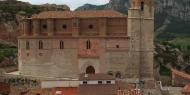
[[71, 3]]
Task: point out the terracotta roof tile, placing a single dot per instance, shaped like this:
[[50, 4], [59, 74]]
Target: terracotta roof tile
[[78, 14], [186, 89], [181, 74], [96, 77]]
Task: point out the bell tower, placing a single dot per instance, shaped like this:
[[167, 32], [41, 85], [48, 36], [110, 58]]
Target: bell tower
[[141, 30]]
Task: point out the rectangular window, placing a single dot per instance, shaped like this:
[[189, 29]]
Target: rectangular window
[[99, 82], [85, 82], [108, 82], [27, 45]]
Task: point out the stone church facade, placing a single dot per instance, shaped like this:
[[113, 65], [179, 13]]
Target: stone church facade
[[64, 44]]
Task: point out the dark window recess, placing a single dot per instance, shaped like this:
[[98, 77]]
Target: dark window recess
[[117, 46], [64, 26], [75, 24], [110, 73], [90, 26], [41, 45], [44, 26], [27, 45], [85, 82], [142, 6], [61, 45], [27, 54], [38, 94], [118, 75], [88, 44], [99, 82], [108, 82]]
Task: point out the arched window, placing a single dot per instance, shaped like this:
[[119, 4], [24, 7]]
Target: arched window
[[40, 44], [27, 45], [118, 75], [142, 6], [90, 70], [61, 45], [88, 44]]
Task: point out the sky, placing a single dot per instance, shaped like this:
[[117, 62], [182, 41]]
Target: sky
[[73, 4]]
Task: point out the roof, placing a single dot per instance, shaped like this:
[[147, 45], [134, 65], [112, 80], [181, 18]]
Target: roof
[[103, 89], [4, 88], [95, 77], [78, 14], [181, 74], [186, 89]]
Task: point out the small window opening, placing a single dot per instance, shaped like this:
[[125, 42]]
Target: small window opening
[[88, 44], [27, 45], [142, 6], [90, 26], [85, 82], [117, 46], [99, 82], [61, 45], [44, 26], [40, 44], [64, 26], [108, 82]]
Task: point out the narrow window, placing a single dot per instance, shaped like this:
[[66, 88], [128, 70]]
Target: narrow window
[[61, 45], [99, 82], [88, 44], [27, 45], [85, 82], [40, 44], [142, 6]]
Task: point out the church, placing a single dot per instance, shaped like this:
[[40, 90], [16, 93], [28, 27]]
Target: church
[[64, 44]]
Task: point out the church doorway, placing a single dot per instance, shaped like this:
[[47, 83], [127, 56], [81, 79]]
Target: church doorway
[[90, 70]]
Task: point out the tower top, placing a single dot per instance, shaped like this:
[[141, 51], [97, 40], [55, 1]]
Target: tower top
[[137, 3]]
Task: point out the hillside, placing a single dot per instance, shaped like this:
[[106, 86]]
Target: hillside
[[11, 11]]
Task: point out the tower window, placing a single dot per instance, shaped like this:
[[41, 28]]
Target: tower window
[[64, 26], [40, 44], [88, 44], [61, 45], [118, 75], [90, 26], [27, 45], [142, 6]]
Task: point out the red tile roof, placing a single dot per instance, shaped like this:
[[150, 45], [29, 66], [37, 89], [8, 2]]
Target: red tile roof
[[78, 14], [104, 89], [180, 74], [186, 89], [4, 88], [96, 77]]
